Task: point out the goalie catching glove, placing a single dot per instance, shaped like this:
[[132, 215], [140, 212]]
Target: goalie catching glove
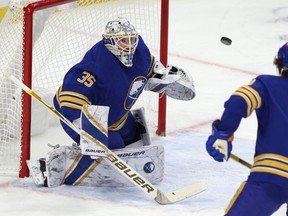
[[219, 144], [171, 80]]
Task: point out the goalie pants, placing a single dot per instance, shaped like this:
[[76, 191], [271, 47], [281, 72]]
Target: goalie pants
[[257, 199], [125, 136]]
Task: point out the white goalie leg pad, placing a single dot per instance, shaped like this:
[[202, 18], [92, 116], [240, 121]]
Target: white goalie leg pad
[[139, 116], [148, 161], [94, 128], [56, 165], [66, 162]]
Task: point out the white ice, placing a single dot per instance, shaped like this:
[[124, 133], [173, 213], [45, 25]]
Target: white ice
[[257, 29]]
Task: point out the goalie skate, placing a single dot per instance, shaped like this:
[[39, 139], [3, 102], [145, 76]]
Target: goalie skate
[[37, 171]]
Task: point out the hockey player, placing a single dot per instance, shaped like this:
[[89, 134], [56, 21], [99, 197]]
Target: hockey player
[[266, 188], [112, 74]]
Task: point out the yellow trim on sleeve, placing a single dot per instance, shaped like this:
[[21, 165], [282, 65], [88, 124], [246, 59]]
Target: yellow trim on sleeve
[[248, 102], [62, 93], [254, 102], [151, 67], [58, 93], [251, 97], [72, 99], [70, 105], [256, 95]]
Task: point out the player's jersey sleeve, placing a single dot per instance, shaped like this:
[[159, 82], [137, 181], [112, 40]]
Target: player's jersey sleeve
[[241, 104], [78, 89], [245, 99]]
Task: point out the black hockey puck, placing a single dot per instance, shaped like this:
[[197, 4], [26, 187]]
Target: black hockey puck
[[225, 40]]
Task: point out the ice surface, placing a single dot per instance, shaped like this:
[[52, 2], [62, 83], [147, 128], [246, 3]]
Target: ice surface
[[258, 29]]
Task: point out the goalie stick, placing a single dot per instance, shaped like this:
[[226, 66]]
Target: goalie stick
[[122, 167]]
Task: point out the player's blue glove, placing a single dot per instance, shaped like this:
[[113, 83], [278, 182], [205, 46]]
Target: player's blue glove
[[219, 144]]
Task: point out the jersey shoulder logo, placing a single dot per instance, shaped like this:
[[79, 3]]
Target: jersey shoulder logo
[[138, 84], [136, 87]]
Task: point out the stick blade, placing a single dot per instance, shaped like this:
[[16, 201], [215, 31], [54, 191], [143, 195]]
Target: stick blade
[[180, 194]]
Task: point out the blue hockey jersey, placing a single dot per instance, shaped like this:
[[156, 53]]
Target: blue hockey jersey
[[101, 79], [267, 95]]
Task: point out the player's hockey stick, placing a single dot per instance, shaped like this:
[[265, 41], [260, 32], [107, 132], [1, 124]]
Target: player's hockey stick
[[241, 161], [121, 166]]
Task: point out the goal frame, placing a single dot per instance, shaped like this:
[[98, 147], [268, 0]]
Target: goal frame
[[27, 73]]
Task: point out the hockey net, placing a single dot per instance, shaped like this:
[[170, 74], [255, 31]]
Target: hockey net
[[40, 41]]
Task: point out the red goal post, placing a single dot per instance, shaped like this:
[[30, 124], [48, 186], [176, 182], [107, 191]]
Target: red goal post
[[41, 56]]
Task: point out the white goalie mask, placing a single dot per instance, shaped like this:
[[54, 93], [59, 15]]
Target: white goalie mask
[[121, 38]]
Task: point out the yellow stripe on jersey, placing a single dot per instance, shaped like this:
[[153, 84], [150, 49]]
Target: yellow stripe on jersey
[[270, 170], [256, 95], [251, 97], [75, 94], [71, 99], [271, 163], [271, 156], [57, 94], [70, 105], [151, 67], [119, 124]]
